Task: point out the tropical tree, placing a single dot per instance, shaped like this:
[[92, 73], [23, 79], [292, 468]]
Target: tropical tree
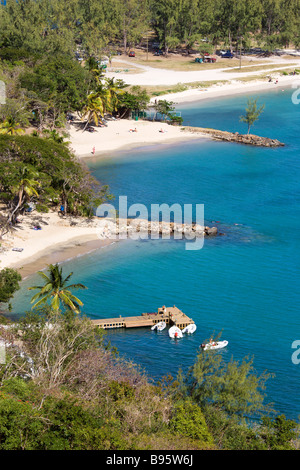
[[55, 136], [97, 104], [133, 21], [116, 90], [10, 127], [252, 113], [59, 81], [137, 100], [166, 23], [16, 109], [9, 284], [232, 387], [165, 109], [56, 290], [24, 188], [55, 173]]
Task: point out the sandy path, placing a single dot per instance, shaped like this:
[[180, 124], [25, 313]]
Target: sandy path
[[159, 76]]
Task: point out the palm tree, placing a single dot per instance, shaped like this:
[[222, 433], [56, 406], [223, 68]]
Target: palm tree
[[24, 189], [115, 88], [97, 104], [56, 290], [10, 127]]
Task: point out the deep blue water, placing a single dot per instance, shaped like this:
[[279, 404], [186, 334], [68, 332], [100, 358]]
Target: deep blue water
[[245, 283]]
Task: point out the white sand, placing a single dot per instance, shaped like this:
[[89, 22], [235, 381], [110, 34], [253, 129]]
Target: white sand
[[117, 135], [59, 233], [234, 87], [56, 233]]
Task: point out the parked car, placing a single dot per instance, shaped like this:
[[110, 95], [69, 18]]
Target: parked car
[[131, 54], [159, 52], [227, 55]]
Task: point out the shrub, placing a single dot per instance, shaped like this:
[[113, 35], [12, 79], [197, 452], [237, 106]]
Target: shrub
[[20, 424], [188, 420]]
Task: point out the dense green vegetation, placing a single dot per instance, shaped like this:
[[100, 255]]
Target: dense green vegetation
[[64, 388], [9, 284], [42, 170], [53, 26], [40, 42]]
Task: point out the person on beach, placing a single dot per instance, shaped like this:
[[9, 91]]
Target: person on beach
[[62, 210], [93, 151]]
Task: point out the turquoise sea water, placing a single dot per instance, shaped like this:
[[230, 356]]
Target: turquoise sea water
[[245, 283]]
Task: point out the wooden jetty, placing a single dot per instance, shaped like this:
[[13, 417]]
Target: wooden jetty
[[170, 315]]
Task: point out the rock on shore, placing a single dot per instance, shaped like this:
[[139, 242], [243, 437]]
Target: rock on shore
[[248, 139], [127, 227]]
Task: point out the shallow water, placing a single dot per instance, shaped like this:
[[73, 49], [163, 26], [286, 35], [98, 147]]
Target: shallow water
[[245, 283]]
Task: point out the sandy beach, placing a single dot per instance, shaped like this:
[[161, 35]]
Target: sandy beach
[[119, 133], [63, 238], [58, 240], [235, 87], [124, 133]]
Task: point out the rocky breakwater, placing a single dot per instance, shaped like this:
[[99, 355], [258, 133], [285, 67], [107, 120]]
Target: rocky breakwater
[[248, 139], [140, 228]]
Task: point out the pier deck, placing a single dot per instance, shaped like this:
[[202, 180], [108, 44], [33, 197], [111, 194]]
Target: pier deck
[[170, 315]]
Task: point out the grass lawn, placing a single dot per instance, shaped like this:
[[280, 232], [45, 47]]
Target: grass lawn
[[187, 63]]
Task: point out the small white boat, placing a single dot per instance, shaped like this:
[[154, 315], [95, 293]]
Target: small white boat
[[175, 332], [159, 326], [214, 345], [189, 329]]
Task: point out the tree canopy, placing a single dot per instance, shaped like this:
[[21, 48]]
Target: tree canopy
[[9, 284], [252, 113], [56, 290], [52, 26], [40, 170]]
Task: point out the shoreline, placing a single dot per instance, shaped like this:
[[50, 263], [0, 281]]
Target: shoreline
[[116, 137], [58, 240], [72, 241], [60, 253], [235, 87]]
